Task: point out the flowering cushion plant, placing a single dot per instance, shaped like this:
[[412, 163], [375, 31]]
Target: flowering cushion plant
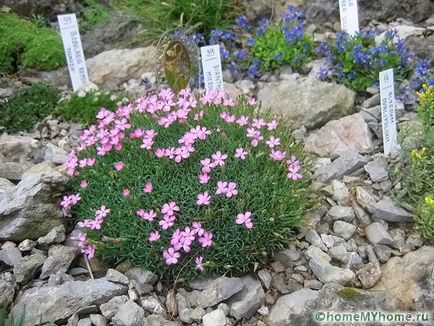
[[182, 184], [249, 49], [357, 60]]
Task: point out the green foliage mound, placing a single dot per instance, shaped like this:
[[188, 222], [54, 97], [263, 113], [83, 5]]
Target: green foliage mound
[[419, 181], [357, 60], [24, 43], [23, 110], [179, 185], [203, 15], [82, 107]]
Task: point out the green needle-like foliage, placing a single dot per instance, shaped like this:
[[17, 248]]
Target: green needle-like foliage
[[23, 110]]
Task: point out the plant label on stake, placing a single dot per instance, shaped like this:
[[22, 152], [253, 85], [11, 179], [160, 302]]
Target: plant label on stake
[[388, 115], [349, 16], [73, 50], [212, 67]]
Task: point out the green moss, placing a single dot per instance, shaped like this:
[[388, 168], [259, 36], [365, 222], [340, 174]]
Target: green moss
[[21, 111], [94, 14], [24, 43], [348, 293]]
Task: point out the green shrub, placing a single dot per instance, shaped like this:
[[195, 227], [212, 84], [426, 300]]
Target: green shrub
[[357, 60], [23, 110], [116, 171], [24, 43], [203, 15], [82, 107], [419, 181]]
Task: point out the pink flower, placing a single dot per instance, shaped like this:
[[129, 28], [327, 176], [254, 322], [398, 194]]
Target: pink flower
[[125, 192], [293, 163], [254, 142], [154, 236], [258, 123], [171, 256], [203, 178], [245, 219], [150, 134], [147, 143], [197, 228], [230, 190], [251, 101], [242, 121], [206, 239], [169, 208], [206, 165], [240, 153], [277, 155], [148, 188], [294, 175], [89, 251], [102, 212], [160, 152], [273, 141], [251, 132], [147, 215], [221, 187], [90, 161], [137, 133], [167, 221], [203, 198], [293, 170], [84, 183], [198, 261], [188, 235], [272, 125], [219, 158], [119, 166]]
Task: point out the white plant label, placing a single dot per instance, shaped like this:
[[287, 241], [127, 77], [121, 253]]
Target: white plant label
[[73, 50], [349, 16], [388, 115], [212, 67]]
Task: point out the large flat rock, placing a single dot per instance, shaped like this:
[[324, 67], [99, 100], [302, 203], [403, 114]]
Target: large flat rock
[[307, 101]]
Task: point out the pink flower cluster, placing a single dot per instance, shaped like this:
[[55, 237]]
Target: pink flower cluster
[[168, 210], [294, 167], [226, 188], [184, 239], [217, 159], [106, 135], [217, 97], [148, 139], [178, 154], [88, 161], [255, 135], [67, 202], [96, 223], [165, 109], [85, 246]]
